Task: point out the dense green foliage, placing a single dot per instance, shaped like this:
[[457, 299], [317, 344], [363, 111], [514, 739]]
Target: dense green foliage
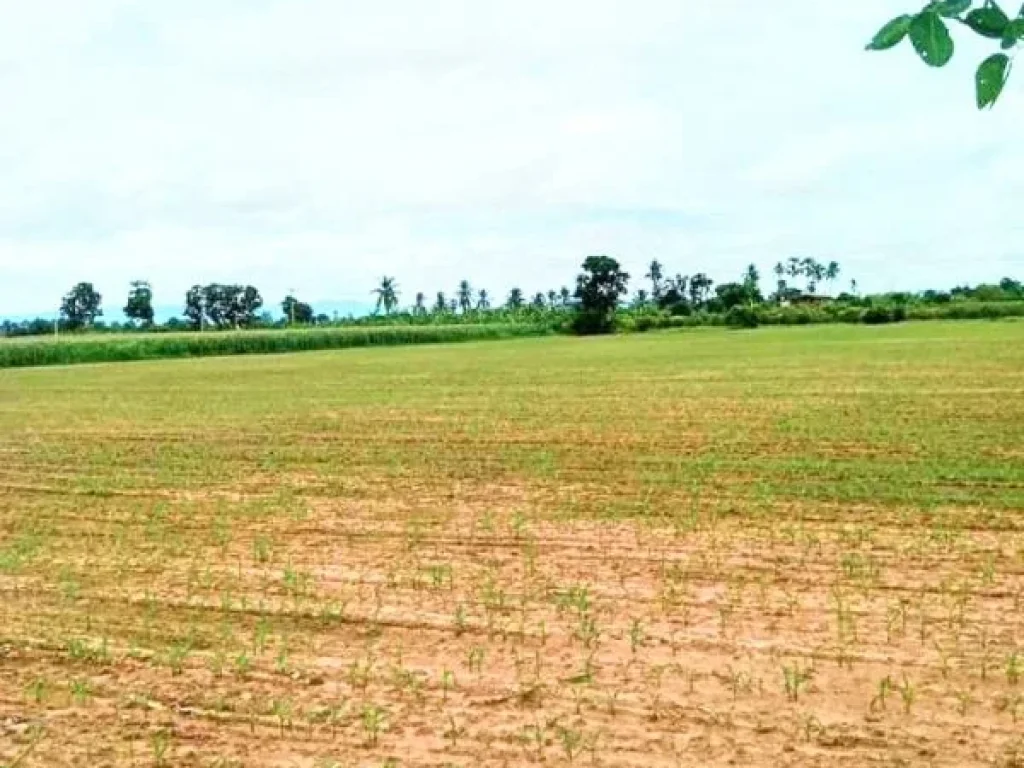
[[928, 32], [81, 306], [599, 288], [222, 306], [139, 307]]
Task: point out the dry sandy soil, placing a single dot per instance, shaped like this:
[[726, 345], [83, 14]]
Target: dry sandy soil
[[429, 558]]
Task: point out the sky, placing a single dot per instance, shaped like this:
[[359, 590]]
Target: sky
[[316, 145]]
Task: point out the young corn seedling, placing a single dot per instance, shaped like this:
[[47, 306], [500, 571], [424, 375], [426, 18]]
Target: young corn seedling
[[460, 620], [282, 709], [243, 665], [1014, 668], [909, 695], [1012, 705], [885, 689], [38, 690], [475, 660], [796, 679], [964, 700], [81, 692], [636, 636], [374, 721], [572, 742], [447, 684], [454, 732], [160, 742], [536, 735]]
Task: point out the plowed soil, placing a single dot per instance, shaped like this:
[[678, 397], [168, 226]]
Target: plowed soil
[[776, 548]]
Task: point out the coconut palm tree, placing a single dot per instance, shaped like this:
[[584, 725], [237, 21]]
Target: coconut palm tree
[[387, 294], [483, 300], [441, 303], [465, 296], [655, 274], [832, 273], [565, 294], [421, 305], [515, 299]]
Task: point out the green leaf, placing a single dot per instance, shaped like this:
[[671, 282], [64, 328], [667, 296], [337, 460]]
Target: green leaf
[[891, 34], [992, 76], [952, 8], [931, 39], [990, 21], [1013, 34]]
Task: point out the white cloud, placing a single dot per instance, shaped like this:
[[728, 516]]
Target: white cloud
[[317, 144]]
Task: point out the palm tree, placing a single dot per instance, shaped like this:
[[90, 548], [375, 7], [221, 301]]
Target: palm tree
[[483, 300], [641, 298], [752, 284], [515, 299], [780, 270], [832, 273], [453, 306], [655, 275], [465, 296], [565, 294], [751, 276], [441, 304], [421, 306], [552, 299], [539, 302], [815, 272], [387, 294]]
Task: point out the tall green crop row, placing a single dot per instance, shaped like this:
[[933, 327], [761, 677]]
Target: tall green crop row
[[102, 349]]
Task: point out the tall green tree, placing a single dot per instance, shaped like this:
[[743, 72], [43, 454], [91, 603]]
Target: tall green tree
[[297, 311], [656, 274], [440, 303], [139, 307], [752, 285], [539, 302], [515, 299], [81, 306], [599, 288], [483, 300], [195, 312], [465, 296], [700, 289], [387, 294], [420, 307], [565, 295], [832, 272], [928, 32]]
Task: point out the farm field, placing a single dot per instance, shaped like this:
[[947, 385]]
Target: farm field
[[793, 546]]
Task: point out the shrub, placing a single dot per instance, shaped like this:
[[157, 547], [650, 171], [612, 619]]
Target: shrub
[[880, 315], [742, 317], [590, 323]]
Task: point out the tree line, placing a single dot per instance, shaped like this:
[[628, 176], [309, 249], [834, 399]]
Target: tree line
[[601, 291]]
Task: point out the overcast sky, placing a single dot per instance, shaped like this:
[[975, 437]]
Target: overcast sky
[[318, 144]]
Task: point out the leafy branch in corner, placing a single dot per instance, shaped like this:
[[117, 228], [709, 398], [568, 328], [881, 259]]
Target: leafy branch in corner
[[930, 36]]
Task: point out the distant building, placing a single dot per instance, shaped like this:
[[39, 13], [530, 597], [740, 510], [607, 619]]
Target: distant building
[[807, 299]]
